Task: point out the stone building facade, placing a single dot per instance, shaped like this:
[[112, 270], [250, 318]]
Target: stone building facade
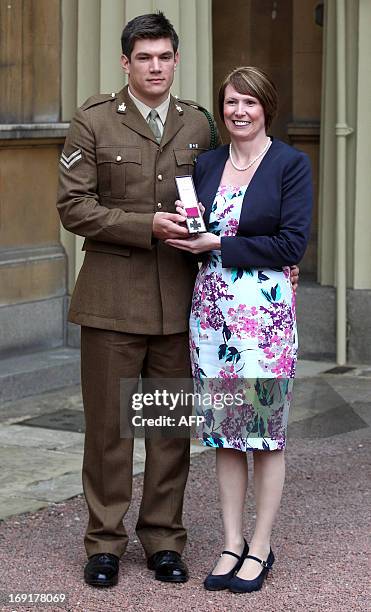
[[56, 53]]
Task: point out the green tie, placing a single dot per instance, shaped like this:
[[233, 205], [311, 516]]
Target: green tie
[[154, 125]]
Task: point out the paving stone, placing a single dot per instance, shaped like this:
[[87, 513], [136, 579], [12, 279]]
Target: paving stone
[[61, 420], [339, 420], [12, 504], [56, 489], [37, 437], [24, 466], [35, 373], [51, 401], [363, 409]]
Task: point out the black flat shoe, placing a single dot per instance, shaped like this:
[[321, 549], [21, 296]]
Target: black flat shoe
[[168, 566], [219, 582], [102, 570], [238, 585]]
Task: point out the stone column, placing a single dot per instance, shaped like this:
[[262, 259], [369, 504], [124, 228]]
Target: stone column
[[32, 261], [362, 212], [328, 154], [360, 295]]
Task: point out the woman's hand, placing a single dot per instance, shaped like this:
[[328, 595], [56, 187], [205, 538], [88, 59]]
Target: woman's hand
[[197, 244]]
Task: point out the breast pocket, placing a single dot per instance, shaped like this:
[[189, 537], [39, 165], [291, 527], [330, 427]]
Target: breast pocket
[[115, 165], [185, 159]]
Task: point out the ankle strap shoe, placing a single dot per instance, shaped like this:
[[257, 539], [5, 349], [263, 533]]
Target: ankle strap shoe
[[219, 582], [238, 585]]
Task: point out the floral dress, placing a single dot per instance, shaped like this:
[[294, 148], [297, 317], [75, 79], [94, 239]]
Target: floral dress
[[243, 342]]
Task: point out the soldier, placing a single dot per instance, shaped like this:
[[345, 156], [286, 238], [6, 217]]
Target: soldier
[[133, 293]]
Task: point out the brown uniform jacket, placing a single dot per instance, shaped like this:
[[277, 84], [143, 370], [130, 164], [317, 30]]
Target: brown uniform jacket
[[114, 177]]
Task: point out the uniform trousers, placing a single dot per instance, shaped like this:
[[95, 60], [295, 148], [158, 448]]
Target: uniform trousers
[[107, 357]]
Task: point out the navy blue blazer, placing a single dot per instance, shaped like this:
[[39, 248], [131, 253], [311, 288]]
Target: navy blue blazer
[[275, 219]]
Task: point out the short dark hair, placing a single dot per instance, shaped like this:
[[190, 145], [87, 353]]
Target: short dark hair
[[153, 25], [252, 81]]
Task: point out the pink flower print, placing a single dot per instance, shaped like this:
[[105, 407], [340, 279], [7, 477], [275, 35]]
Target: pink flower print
[[227, 372], [283, 366], [264, 366], [231, 228], [275, 339], [233, 312], [250, 327], [204, 317], [275, 428], [225, 211], [223, 189], [268, 353]]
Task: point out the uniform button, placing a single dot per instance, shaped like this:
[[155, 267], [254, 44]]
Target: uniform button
[[159, 176], [159, 205], [118, 158]]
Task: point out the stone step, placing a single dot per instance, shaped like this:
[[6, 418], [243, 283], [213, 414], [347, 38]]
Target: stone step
[[35, 373]]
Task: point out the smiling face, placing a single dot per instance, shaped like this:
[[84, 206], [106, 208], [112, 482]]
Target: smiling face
[[151, 69], [243, 115]]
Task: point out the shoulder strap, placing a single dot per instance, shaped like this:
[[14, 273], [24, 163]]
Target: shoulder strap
[[98, 99], [214, 134]]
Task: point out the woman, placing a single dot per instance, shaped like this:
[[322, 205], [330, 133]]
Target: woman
[[257, 197]]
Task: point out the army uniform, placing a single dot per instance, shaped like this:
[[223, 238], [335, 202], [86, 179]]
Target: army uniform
[[132, 299]]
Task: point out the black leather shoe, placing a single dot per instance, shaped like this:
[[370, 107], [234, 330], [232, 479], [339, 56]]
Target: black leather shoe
[[219, 582], [238, 585], [102, 570], [168, 566]]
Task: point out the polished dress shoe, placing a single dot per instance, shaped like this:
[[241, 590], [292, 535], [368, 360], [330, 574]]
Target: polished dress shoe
[[219, 582], [168, 566], [102, 570], [238, 585]]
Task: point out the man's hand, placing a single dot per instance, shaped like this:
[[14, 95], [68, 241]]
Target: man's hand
[[294, 277], [166, 225]]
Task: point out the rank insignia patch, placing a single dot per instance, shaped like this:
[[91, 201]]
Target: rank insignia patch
[[72, 159]]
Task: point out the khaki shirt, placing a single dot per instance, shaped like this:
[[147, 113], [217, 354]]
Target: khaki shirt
[[114, 177]]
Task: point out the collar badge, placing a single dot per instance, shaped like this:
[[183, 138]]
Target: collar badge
[[121, 108], [179, 109]]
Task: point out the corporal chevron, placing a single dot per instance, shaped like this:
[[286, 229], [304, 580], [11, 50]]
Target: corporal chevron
[[69, 161]]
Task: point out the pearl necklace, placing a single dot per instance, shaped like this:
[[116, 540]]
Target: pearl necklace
[[252, 161]]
